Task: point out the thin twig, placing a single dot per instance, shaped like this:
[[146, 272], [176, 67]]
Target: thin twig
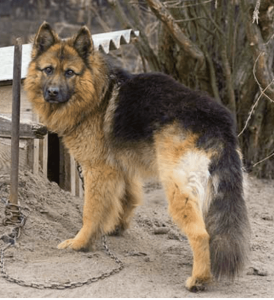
[[178, 4], [208, 14], [257, 81], [256, 12], [263, 160], [253, 108], [189, 20], [140, 6]]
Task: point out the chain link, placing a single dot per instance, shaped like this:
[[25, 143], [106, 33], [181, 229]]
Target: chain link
[[15, 217], [80, 172], [61, 286]]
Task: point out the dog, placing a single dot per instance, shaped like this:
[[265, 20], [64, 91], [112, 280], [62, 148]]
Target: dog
[[123, 128]]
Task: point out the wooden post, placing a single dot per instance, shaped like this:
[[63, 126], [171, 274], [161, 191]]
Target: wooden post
[[45, 156], [72, 176], [36, 147], [16, 90]]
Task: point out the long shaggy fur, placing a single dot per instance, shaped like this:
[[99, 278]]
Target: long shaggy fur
[[123, 128]]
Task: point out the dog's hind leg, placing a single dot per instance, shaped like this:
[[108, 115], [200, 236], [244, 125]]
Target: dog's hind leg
[[184, 173], [185, 211]]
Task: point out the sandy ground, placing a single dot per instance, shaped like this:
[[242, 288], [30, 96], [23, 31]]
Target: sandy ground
[[156, 256]]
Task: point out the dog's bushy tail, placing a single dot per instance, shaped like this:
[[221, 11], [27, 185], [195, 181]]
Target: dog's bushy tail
[[227, 220]]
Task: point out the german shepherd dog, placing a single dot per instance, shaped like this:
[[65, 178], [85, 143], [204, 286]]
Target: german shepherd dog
[[122, 128]]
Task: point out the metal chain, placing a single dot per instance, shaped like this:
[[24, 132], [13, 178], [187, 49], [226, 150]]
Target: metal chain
[[80, 172], [14, 216], [61, 286]]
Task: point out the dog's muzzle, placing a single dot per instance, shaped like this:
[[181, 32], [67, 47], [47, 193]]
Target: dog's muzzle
[[54, 95]]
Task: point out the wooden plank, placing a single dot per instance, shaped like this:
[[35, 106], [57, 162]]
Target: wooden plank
[[36, 147], [5, 155], [26, 113], [43, 155], [35, 167], [27, 130], [6, 58], [30, 153], [72, 176], [76, 181], [65, 170], [62, 167]]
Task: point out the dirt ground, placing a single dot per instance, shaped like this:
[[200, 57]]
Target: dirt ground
[[156, 256]]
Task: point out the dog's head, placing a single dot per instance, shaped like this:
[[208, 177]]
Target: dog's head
[[61, 63], [66, 78]]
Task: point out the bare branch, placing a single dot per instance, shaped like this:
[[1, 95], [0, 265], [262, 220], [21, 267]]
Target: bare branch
[[272, 154], [263, 91], [180, 4], [189, 20], [253, 108], [212, 77], [256, 12], [142, 44], [100, 19], [211, 19], [179, 36], [257, 81]]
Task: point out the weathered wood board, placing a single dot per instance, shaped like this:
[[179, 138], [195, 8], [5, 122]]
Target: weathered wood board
[[28, 130]]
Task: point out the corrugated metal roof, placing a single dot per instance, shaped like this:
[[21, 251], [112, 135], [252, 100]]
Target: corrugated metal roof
[[113, 40], [104, 42]]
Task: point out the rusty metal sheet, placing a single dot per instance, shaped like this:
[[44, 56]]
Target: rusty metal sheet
[[104, 42]]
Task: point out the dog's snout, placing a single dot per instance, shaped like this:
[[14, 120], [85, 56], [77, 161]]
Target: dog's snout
[[53, 94], [53, 91]]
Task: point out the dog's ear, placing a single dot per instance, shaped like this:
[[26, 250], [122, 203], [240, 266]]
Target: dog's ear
[[83, 43], [44, 39]]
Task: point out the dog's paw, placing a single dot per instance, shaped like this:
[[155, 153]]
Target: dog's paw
[[74, 244], [195, 285], [118, 231]]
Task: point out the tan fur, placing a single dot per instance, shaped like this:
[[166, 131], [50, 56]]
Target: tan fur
[[113, 176]]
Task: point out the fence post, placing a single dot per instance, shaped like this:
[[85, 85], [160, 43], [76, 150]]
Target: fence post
[[16, 93]]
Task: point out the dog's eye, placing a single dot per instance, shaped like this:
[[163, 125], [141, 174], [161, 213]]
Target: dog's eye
[[69, 73], [48, 70]]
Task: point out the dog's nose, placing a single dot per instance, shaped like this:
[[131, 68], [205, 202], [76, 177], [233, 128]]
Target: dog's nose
[[53, 91]]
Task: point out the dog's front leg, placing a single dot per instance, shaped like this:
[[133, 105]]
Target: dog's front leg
[[104, 189]]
